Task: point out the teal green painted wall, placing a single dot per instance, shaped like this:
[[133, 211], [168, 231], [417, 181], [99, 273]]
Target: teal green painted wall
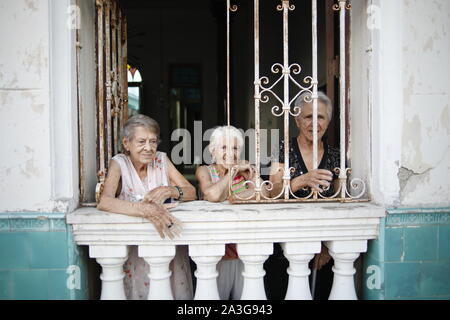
[[411, 257], [39, 259], [409, 260]]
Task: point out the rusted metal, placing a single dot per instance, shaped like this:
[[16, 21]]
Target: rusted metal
[[81, 168], [88, 204], [257, 101], [262, 89], [112, 82], [287, 176], [314, 83], [124, 69], [114, 75], [331, 59], [121, 67], [100, 100], [341, 200], [229, 8], [347, 86], [342, 91], [109, 96]]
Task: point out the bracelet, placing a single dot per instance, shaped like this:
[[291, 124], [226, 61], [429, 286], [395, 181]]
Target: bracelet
[[180, 192]]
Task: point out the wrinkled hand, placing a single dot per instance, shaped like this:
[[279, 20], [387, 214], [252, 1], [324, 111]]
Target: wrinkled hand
[[315, 179], [160, 217], [158, 195], [321, 258], [248, 171]]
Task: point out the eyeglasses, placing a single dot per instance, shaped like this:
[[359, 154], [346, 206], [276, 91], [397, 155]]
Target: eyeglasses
[[142, 143]]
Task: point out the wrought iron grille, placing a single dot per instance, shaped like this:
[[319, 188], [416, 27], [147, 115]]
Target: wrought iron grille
[[112, 84], [347, 187]]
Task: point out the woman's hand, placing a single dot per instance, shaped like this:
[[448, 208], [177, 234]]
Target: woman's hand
[[246, 170], [160, 194], [160, 217], [315, 179]]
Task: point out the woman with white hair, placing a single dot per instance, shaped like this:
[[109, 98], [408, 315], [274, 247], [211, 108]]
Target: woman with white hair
[[138, 184], [225, 146]]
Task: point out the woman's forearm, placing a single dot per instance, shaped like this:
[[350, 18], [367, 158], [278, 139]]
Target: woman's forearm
[[298, 183], [251, 191], [276, 188], [218, 192], [115, 205], [189, 193]]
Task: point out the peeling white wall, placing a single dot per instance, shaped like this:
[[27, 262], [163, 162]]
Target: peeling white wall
[[37, 171], [360, 86], [24, 105], [400, 100], [425, 152]]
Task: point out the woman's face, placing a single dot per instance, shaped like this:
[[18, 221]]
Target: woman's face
[[305, 121], [227, 152], [142, 146]]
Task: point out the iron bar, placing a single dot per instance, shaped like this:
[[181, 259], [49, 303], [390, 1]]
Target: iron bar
[[100, 99], [257, 102]]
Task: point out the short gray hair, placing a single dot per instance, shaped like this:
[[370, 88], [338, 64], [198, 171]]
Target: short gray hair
[[139, 120], [321, 97], [221, 132]]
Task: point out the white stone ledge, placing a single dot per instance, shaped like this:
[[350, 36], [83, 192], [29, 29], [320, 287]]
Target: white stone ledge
[[209, 223], [207, 227], [207, 211]]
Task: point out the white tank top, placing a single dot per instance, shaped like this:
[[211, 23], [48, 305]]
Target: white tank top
[[133, 188]]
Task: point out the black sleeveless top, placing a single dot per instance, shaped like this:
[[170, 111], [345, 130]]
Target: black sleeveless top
[[330, 161]]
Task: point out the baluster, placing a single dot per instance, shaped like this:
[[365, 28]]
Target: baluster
[[159, 258], [206, 257], [299, 254], [344, 254], [111, 258], [253, 256]]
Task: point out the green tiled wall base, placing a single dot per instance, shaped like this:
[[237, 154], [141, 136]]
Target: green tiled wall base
[[411, 257], [39, 259]]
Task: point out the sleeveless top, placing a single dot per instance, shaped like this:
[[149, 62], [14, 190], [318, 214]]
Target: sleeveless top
[[331, 159], [237, 186], [133, 188], [136, 269]]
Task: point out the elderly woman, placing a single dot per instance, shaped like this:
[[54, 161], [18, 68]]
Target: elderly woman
[[304, 178], [214, 180], [138, 184]]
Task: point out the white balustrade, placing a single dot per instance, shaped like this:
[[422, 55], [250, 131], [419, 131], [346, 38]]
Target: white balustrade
[[158, 258], [111, 258], [344, 254], [253, 255], [206, 257], [299, 227], [299, 254]]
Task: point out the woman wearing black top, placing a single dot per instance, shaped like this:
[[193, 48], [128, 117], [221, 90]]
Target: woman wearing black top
[[304, 178], [301, 152]]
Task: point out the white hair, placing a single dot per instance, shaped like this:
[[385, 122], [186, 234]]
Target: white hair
[[305, 97], [139, 120], [225, 131]]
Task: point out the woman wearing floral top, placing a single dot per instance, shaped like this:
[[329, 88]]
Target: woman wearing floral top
[[138, 184]]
